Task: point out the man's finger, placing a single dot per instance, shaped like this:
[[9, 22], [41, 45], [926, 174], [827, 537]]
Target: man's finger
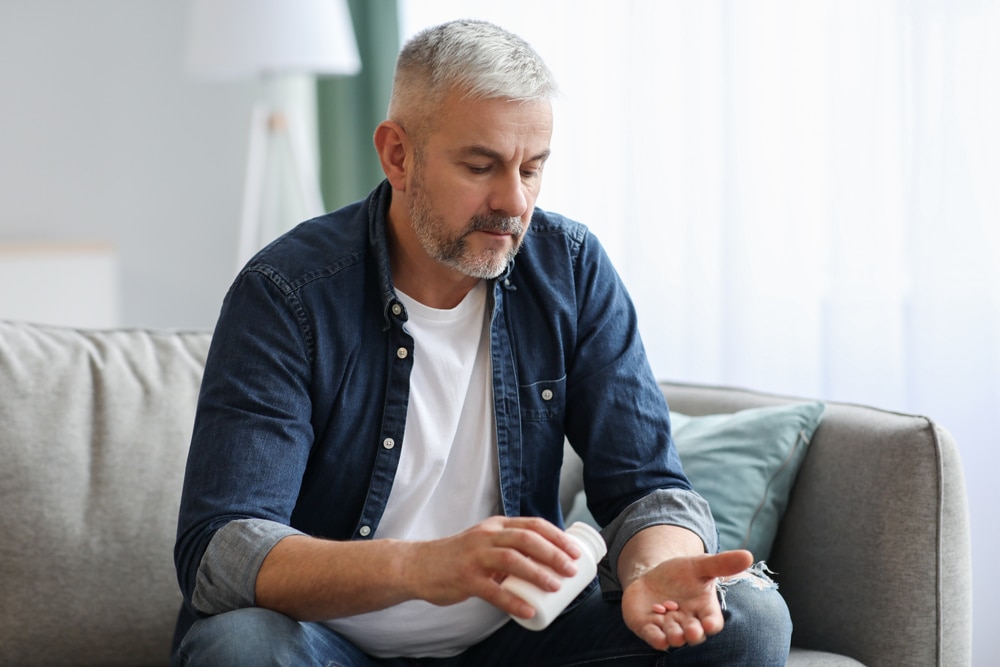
[[725, 564]]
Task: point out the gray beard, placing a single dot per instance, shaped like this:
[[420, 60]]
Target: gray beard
[[454, 252]]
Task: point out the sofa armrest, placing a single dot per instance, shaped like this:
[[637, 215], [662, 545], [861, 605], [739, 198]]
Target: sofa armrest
[[873, 554]]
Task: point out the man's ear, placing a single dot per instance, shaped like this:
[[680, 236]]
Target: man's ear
[[392, 146]]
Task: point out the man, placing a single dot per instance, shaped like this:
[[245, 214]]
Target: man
[[380, 429]]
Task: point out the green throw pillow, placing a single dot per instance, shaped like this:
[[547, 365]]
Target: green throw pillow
[[744, 465]]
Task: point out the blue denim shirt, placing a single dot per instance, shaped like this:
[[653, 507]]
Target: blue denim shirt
[[300, 420]]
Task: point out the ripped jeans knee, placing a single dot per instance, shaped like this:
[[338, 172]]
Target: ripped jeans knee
[[757, 576]]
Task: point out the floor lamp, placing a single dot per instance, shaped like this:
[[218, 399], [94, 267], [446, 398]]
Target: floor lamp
[[267, 40]]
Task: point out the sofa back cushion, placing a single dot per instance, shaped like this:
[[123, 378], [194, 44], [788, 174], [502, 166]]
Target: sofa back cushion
[[94, 431]]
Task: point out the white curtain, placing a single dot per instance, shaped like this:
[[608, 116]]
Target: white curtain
[[802, 196]]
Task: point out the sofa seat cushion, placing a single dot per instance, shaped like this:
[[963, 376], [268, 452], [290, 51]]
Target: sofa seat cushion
[[800, 657], [94, 430]]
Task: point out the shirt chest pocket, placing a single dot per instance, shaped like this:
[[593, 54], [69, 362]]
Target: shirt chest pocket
[[543, 400]]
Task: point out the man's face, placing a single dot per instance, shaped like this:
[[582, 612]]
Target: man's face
[[475, 181]]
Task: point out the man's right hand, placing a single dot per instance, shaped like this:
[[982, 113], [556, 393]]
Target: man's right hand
[[312, 579], [473, 563]]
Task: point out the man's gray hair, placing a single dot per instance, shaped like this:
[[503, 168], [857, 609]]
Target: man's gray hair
[[475, 59]]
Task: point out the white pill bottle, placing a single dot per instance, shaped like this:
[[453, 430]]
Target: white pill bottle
[[549, 604]]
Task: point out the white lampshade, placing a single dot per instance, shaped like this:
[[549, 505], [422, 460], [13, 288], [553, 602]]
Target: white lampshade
[[248, 38]]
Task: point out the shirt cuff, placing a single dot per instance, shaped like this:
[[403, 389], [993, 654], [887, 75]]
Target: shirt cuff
[[227, 574], [673, 507]]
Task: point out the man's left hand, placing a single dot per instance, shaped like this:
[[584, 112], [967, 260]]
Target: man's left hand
[[675, 603]]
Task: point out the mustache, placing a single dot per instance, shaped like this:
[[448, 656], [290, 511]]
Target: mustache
[[497, 224]]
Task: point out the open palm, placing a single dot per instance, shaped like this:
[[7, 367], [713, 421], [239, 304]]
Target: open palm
[[675, 603]]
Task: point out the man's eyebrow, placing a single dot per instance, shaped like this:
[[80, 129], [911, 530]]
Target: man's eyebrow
[[543, 156], [487, 152]]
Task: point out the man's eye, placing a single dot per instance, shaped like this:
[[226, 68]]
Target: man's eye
[[478, 169]]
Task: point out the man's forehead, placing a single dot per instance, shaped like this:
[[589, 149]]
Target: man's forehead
[[495, 128]]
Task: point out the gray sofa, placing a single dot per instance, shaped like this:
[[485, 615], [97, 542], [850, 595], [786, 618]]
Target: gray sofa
[[872, 554]]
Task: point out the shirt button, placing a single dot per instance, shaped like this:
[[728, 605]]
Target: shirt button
[[388, 443], [365, 531], [401, 353], [397, 309], [546, 394]]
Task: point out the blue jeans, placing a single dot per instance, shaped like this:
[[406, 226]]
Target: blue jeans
[[757, 633]]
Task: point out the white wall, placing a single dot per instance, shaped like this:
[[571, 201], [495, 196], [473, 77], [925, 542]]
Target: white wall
[[105, 137]]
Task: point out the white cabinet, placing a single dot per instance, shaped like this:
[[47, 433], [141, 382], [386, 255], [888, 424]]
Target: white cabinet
[[72, 284]]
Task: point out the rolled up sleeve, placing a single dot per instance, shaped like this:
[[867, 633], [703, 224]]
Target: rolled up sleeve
[[674, 507], [227, 574]]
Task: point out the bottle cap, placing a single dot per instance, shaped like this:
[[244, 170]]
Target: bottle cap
[[590, 537]]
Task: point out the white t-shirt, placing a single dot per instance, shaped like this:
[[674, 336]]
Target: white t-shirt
[[447, 479]]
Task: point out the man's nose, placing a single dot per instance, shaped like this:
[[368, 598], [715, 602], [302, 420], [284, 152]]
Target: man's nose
[[509, 196]]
